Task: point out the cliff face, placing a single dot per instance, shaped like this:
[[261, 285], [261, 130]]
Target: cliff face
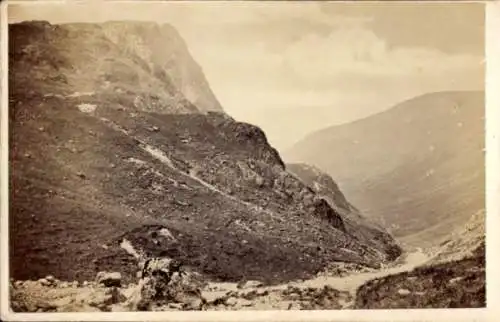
[[353, 220], [322, 183], [118, 147], [137, 63]]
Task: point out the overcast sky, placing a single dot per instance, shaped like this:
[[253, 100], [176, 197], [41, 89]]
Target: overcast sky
[[295, 67]]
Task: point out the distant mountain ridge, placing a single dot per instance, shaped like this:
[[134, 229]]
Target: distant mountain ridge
[[417, 167], [118, 147]]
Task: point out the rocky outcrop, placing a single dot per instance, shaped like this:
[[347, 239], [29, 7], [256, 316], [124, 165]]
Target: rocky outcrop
[[323, 210], [321, 183]]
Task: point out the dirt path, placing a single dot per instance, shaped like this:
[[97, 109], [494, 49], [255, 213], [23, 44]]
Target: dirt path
[[277, 297], [351, 282]]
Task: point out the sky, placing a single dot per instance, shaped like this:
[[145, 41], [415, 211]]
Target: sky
[[297, 67]]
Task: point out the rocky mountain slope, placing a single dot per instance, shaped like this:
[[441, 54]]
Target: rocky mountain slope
[[119, 150], [418, 168], [326, 188]]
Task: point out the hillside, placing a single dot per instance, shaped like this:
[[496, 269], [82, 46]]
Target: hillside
[[118, 146], [418, 168], [459, 283]]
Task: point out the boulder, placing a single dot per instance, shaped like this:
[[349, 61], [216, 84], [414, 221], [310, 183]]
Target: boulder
[[164, 282], [232, 301], [50, 278], [44, 282], [109, 279]]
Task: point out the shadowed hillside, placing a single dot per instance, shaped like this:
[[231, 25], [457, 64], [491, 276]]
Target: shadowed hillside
[[116, 139], [418, 168], [453, 284]]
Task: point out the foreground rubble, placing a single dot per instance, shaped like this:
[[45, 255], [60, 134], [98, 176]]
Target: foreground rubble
[[166, 287]]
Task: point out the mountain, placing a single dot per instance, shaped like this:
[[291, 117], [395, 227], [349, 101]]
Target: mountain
[[418, 168], [119, 149], [144, 64]]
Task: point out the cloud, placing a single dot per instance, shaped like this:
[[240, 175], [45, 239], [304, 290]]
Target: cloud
[[351, 59]]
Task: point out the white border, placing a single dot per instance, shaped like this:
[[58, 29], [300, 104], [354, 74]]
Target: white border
[[492, 51], [4, 168], [492, 222]]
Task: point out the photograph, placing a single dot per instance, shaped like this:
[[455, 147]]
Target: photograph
[[244, 156]]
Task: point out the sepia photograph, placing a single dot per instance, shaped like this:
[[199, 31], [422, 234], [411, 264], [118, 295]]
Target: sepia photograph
[[244, 156]]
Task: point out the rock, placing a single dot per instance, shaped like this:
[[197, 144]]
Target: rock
[[19, 284], [175, 306], [193, 303], [232, 301], [74, 284], [164, 282], [292, 289], [64, 284], [109, 279], [101, 301], [214, 296], [248, 295], [244, 302], [250, 284], [456, 279], [252, 294], [50, 279], [403, 292], [44, 282], [81, 175]]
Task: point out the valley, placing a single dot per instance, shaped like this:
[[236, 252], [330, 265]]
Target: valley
[[120, 152]]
